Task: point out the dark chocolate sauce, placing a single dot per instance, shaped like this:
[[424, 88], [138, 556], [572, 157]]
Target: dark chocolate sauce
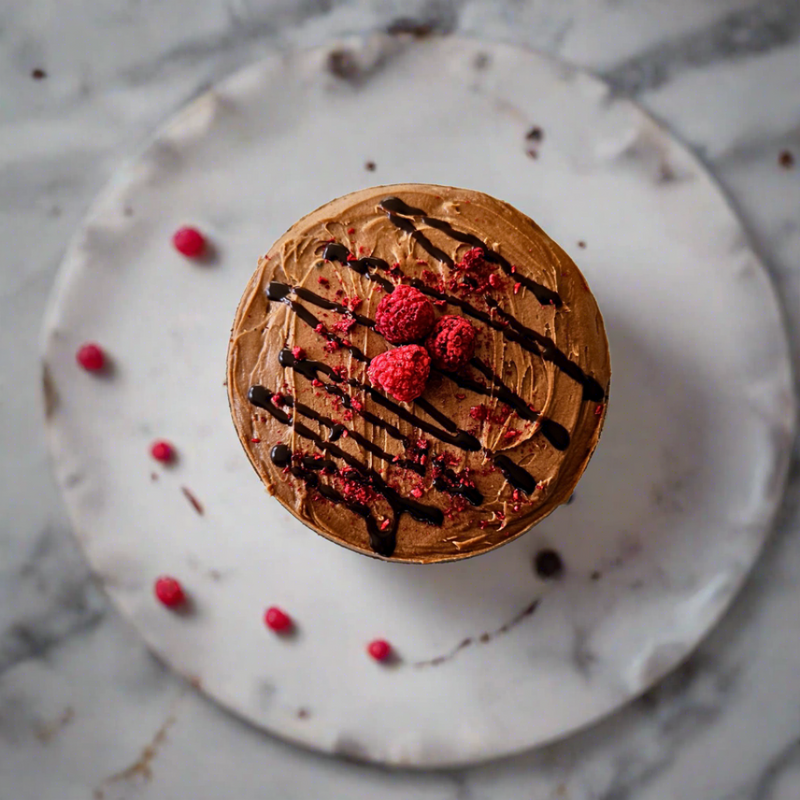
[[516, 475], [592, 390], [554, 432], [382, 541], [310, 369], [281, 455], [394, 206]]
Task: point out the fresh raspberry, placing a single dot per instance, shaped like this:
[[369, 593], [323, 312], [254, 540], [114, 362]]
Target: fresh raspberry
[[379, 649], [401, 372], [162, 451], [189, 242], [169, 592], [405, 315], [91, 357], [277, 620], [451, 342]]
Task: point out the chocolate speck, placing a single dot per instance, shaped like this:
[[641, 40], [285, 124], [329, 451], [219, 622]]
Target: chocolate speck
[[50, 393], [410, 27], [38, 74], [786, 159], [481, 61], [531, 153], [153, 476], [370, 166], [343, 64], [196, 504], [303, 713], [582, 244], [596, 575], [548, 565], [535, 134]]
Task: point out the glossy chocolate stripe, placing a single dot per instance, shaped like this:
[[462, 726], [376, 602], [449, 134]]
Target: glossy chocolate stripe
[[592, 390], [555, 433], [385, 543], [282, 457], [394, 206], [526, 337], [310, 370], [516, 475]]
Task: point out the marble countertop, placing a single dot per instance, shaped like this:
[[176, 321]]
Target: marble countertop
[[85, 710]]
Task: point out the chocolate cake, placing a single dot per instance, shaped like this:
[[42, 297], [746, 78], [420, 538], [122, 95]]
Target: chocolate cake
[[418, 372]]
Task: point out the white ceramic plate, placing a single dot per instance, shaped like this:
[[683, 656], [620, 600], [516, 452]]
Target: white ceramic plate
[[665, 524]]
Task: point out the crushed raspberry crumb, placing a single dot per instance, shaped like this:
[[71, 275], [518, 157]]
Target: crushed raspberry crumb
[[91, 357], [169, 592], [416, 492], [298, 353], [351, 230], [451, 342], [598, 411], [402, 372], [385, 524], [517, 287], [473, 259], [321, 328], [479, 412], [405, 315], [162, 451], [189, 242], [322, 280], [277, 620], [344, 325], [495, 281], [379, 649], [510, 434], [256, 441]]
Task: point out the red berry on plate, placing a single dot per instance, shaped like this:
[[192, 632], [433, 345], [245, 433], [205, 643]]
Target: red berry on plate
[[277, 619], [169, 592], [379, 649], [91, 357], [162, 451], [189, 242]]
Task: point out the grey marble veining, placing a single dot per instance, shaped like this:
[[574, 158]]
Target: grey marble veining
[[85, 712]]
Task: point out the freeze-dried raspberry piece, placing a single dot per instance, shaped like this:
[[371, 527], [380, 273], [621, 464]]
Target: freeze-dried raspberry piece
[[405, 315], [451, 342], [402, 372]]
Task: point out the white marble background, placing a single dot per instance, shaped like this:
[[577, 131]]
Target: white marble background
[[85, 711]]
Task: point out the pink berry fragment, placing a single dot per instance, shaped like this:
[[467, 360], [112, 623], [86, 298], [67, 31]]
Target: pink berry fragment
[[162, 451], [91, 357], [379, 649], [169, 592], [189, 242], [277, 620]]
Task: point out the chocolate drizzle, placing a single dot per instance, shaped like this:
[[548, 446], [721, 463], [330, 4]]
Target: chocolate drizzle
[[510, 327], [555, 433], [396, 209], [382, 541], [516, 475], [311, 369]]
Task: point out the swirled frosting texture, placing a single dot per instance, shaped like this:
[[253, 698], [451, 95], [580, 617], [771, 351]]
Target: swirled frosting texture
[[484, 453]]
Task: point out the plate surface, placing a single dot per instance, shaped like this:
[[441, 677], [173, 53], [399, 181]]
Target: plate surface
[[663, 528]]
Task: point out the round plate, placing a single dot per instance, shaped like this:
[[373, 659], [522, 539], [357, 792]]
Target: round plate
[[491, 658]]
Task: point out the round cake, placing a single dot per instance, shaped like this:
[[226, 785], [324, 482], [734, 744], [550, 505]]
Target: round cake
[[418, 373]]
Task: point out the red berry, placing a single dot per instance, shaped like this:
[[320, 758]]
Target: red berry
[[379, 649], [402, 372], [91, 357], [169, 592], [277, 620], [162, 451], [451, 343], [189, 242], [405, 315]]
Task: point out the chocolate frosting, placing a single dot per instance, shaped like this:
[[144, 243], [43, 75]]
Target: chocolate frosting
[[484, 453]]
